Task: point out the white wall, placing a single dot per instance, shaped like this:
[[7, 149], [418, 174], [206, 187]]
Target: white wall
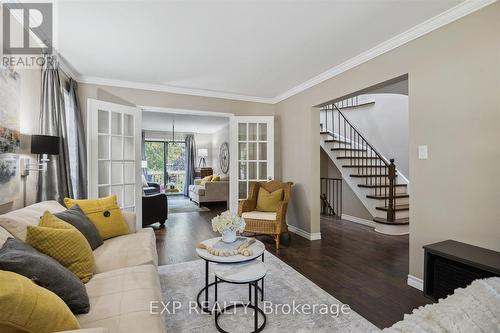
[[385, 125], [454, 109], [29, 115], [218, 138], [351, 205]]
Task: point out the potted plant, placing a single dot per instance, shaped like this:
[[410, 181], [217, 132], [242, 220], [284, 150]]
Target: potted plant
[[227, 224]]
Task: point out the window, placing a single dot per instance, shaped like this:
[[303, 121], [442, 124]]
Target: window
[[166, 164]]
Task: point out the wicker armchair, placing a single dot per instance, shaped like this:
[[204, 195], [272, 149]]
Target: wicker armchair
[[266, 223]]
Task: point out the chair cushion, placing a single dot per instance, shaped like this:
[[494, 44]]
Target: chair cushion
[[64, 243], [104, 213], [26, 307], [268, 201], [126, 251], [17, 221], [21, 258], [192, 188], [77, 219], [256, 215], [120, 300]]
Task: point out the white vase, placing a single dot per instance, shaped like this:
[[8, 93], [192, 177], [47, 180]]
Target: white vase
[[229, 236]]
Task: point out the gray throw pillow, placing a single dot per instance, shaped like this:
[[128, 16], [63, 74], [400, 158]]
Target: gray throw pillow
[[77, 219], [21, 258]]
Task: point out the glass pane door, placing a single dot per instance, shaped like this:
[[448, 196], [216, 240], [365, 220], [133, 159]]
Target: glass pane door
[[114, 153], [254, 153], [156, 162], [176, 170]]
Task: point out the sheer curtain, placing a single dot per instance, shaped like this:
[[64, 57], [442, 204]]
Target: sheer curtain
[[77, 145], [190, 161], [55, 182]]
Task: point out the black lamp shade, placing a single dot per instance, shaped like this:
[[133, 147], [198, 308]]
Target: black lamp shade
[[45, 144]]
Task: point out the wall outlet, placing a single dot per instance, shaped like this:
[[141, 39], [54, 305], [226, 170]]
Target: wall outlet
[[422, 152]]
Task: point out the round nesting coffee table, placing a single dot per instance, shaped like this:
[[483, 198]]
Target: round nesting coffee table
[[257, 249], [242, 273]]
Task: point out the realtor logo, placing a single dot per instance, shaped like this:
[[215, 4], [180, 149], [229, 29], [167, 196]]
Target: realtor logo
[[27, 28]]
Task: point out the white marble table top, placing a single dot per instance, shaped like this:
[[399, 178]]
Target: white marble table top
[[257, 249], [241, 272]]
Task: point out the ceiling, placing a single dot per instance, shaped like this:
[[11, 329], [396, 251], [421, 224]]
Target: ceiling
[[249, 48], [186, 123]]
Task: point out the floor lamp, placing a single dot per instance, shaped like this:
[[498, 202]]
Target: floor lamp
[[40, 145], [202, 154]]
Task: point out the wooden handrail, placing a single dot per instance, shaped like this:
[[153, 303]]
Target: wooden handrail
[[378, 172]]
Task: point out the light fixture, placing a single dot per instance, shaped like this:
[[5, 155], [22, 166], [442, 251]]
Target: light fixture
[[40, 145], [202, 154]]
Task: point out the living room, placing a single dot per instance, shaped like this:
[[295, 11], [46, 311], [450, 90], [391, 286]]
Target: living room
[[155, 89]]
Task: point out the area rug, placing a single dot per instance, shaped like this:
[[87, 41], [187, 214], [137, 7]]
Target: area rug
[[181, 204], [289, 296]]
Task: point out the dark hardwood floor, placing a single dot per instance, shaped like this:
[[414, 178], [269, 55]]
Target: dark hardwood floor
[[354, 264]]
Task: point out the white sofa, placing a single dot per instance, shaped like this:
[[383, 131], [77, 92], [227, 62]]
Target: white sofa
[[217, 191], [126, 277]]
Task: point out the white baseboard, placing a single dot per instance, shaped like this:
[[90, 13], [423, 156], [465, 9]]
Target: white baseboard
[[358, 220], [305, 234], [415, 282]]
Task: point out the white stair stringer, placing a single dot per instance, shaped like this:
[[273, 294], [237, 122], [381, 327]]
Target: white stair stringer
[[369, 203]]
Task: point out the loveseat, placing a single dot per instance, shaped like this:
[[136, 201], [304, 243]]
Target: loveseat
[[125, 280], [210, 191]]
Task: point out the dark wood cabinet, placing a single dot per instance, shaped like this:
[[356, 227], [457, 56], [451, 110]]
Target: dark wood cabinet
[[450, 264], [203, 172]]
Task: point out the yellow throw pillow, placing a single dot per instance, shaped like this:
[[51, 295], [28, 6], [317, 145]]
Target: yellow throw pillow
[[215, 179], [26, 307], [64, 243], [104, 213], [206, 179], [268, 201]]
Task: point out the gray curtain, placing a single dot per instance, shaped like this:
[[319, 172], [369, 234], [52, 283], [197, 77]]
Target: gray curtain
[[55, 182], [143, 152], [80, 169], [189, 163]]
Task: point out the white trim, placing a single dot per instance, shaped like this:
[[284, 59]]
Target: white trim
[[415, 282], [185, 111], [358, 220], [465, 8], [462, 9], [305, 234], [172, 89]]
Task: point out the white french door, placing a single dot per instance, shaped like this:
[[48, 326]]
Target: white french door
[[252, 155], [114, 154]]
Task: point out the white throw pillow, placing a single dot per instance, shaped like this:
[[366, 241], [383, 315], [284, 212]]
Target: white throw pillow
[[17, 221]]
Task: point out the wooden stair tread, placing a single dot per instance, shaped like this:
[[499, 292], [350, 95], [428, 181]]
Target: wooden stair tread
[[397, 208], [402, 221], [347, 149], [369, 176], [358, 158], [339, 141], [380, 185], [383, 197], [364, 166]]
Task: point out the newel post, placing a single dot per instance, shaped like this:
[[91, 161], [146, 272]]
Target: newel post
[[392, 182]]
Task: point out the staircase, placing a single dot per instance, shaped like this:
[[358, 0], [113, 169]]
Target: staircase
[[372, 177]]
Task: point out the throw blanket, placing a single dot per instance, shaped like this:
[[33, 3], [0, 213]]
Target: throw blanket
[[469, 310]]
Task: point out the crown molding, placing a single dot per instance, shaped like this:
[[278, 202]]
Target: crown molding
[[463, 9], [172, 89]]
